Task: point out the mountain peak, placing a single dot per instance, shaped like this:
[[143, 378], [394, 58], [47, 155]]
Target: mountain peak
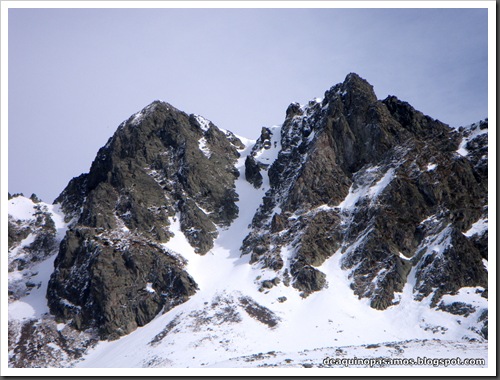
[[156, 107], [352, 78], [359, 89], [351, 198], [329, 153], [161, 167]]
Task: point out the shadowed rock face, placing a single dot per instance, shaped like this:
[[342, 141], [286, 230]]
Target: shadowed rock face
[[381, 182], [160, 164], [154, 167], [115, 285]]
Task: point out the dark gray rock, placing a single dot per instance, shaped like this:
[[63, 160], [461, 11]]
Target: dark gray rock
[[72, 197], [264, 140], [252, 172], [102, 282], [34, 198], [152, 163], [199, 231], [16, 233], [460, 265], [160, 164], [405, 167], [308, 279], [259, 312], [457, 308], [483, 319]]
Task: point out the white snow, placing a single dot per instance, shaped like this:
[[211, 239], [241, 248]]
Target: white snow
[[477, 228], [475, 131], [137, 118], [202, 143], [436, 244], [14, 252], [53, 346], [21, 311], [485, 263], [369, 190], [469, 295], [342, 358], [268, 156], [404, 257], [202, 122], [431, 167], [376, 190], [34, 304], [21, 208], [326, 323], [149, 288], [233, 278]]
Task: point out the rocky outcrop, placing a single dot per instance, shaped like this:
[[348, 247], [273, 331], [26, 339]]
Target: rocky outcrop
[[252, 172], [253, 166], [112, 271], [115, 284], [43, 343], [17, 232], [379, 182], [42, 229], [31, 239]]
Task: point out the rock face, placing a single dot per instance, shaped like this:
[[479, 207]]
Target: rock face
[[396, 192], [159, 162], [111, 271], [119, 284]]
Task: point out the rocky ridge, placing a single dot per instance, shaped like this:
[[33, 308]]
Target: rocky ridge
[[400, 197], [382, 183]]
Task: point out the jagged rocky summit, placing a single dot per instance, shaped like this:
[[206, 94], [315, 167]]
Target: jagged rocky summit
[[403, 198], [383, 183]]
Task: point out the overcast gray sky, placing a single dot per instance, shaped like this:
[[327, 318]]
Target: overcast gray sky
[[76, 74]]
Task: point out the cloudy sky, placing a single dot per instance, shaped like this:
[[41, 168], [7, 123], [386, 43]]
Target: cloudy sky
[[76, 74]]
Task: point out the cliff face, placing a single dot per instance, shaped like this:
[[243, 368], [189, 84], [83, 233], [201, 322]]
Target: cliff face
[[161, 164], [386, 185]]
